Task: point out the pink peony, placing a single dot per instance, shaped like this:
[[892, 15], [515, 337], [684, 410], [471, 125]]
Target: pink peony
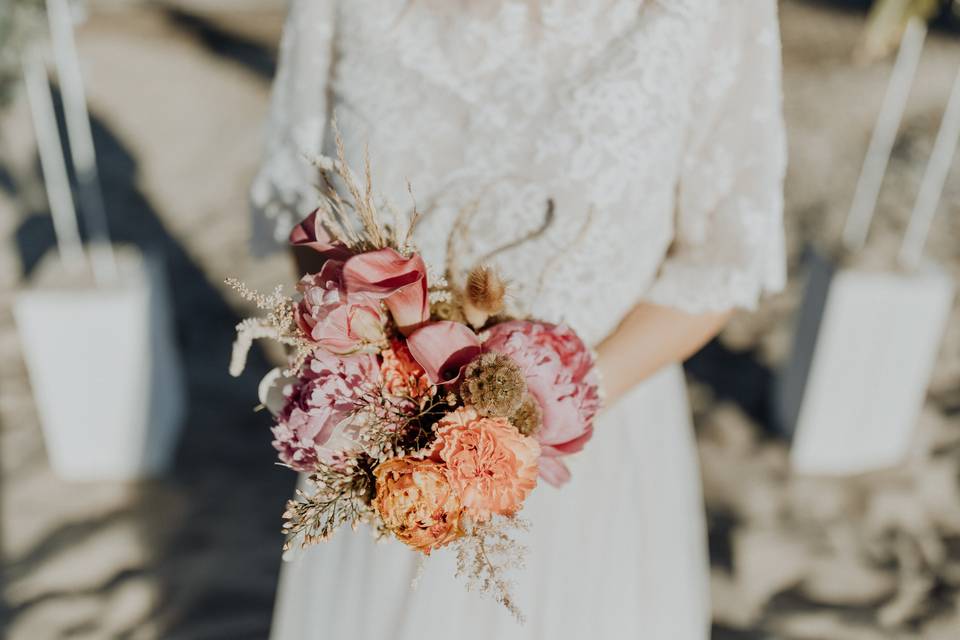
[[400, 281], [338, 321], [314, 425], [560, 375], [490, 464]]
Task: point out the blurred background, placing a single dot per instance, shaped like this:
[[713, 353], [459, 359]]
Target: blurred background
[[177, 93]]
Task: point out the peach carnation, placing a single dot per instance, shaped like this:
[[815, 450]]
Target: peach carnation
[[417, 503], [490, 464], [401, 374]]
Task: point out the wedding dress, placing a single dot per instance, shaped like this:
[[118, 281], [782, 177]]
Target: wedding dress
[[608, 152]]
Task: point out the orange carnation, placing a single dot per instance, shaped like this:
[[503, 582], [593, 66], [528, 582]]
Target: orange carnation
[[490, 464], [417, 503], [401, 374]]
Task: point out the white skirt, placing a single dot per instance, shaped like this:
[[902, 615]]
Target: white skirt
[[619, 552]]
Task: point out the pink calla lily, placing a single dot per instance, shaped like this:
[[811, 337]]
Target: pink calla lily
[[443, 349], [311, 233], [400, 281]]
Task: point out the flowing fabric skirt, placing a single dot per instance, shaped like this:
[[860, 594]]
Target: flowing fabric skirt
[[619, 552]]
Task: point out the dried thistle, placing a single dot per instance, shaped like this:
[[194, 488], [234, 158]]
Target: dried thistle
[[486, 553], [494, 385], [528, 418], [483, 295]]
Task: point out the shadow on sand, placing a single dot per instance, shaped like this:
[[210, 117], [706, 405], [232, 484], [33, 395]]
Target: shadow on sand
[[212, 525]]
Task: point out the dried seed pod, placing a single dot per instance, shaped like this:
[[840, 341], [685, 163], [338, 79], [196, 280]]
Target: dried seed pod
[[446, 310], [528, 418], [494, 385]]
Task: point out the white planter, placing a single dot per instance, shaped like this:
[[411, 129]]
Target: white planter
[[104, 370], [865, 348]]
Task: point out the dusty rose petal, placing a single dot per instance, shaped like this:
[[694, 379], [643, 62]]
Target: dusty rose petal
[[553, 471], [400, 281], [443, 349], [337, 321], [310, 233], [571, 446], [410, 306]]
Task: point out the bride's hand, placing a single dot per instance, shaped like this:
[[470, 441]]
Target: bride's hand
[[648, 338]]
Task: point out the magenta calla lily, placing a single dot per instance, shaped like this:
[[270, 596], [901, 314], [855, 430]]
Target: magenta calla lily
[[443, 349], [399, 280], [311, 233]]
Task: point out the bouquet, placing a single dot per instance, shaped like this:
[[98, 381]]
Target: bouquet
[[411, 404]]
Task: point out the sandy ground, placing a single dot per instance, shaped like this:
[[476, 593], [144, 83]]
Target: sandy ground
[[178, 96]]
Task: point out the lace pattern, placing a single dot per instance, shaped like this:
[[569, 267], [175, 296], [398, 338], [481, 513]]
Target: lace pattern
[[654, 129]]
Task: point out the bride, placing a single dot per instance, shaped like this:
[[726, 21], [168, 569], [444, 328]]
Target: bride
[[623, 164]]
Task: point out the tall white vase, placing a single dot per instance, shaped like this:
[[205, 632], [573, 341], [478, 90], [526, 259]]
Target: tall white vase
[[863, 357], [104, 369]]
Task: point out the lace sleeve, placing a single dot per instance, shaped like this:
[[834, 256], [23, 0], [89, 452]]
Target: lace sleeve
[[282, 191], [728, 246]]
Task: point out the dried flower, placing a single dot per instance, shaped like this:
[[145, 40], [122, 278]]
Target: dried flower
[[485, 555], [483, 296], [279, 325], [348, 217], [342, 497], [417, 503], [446, 310], [528, 418], [494, 385]]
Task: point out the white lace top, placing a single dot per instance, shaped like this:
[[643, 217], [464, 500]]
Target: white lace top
[[653, 127]]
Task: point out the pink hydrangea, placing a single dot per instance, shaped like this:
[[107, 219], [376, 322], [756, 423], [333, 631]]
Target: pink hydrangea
[[314, 425], [560, 375]]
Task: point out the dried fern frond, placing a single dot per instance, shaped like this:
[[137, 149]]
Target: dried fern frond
[[353, 218], [247, 331], [342, 497], [279, 324], [486, 553]]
